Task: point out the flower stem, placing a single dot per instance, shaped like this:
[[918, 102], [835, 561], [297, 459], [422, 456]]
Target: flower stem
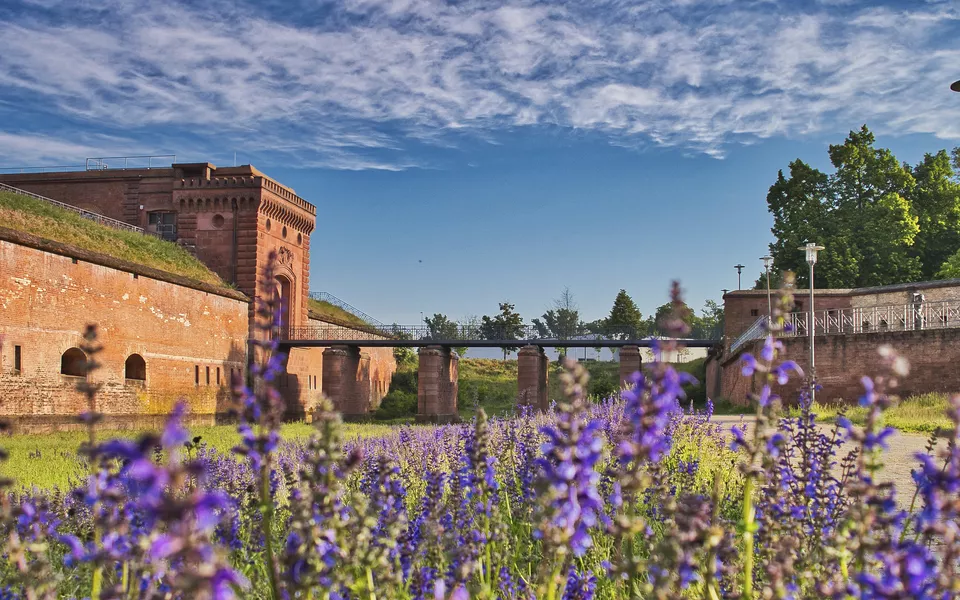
[[749, 515]]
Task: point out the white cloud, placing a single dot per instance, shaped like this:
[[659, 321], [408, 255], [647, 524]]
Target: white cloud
[[363, 87]]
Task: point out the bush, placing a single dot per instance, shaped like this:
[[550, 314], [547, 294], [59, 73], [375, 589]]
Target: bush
[[396, 404]]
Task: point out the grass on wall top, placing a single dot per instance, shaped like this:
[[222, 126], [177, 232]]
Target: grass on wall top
[[45, 220], [325, 309]]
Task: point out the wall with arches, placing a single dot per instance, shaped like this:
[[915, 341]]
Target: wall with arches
[[163, 338]]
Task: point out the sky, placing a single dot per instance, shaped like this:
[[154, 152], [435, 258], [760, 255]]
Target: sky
[[470, 152]]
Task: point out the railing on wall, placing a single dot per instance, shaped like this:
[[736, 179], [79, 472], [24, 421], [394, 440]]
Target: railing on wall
[[944, 314], [331, 299], [156, 161], [755, 332], [86, 214]]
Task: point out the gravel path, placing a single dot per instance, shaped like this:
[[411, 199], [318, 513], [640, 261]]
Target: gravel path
[[897, 461]]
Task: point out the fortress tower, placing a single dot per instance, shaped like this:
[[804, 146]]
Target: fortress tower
[[231, 218]]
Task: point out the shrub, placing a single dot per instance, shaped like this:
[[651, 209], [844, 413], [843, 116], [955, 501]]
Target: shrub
[[397, 404]]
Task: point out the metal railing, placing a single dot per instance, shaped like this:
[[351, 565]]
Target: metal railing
[[331, 299], [44, 169], [944, 314], [755, 332], [86, 214], [131, 162], [457, 333]]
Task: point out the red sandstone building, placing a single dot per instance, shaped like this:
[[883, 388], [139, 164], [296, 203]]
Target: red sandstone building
[[231, 219], [920, 320]]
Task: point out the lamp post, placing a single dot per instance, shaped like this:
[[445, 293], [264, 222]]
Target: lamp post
[[739, 268], [767, 260], [811, 250]]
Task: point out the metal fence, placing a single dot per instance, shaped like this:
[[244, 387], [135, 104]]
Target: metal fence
[[331, 299], [463, 333], [944, 314], [156, 161], [86, 214]]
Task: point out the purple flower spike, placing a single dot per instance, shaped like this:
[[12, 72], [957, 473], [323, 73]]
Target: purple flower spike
[[749, 365], [781, 371]]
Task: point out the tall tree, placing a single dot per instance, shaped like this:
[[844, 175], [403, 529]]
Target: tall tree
[[665, 311], [863, 214], [936, 201], [507, 325], [441, 328], [709, 325], [562, 321], [625, 319]]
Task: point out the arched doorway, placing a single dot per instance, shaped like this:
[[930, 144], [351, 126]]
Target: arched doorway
[[135, 368], [285, 295], [73, 362]]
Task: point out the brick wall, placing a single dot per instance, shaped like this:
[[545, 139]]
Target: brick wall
[[843, 359], [181, 332], [304, 380], [743, 308]]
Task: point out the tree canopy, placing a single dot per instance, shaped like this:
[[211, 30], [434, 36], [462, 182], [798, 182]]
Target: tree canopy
[[881, 221], [507, 325], [625, 318], [442, 328], [562, 321]]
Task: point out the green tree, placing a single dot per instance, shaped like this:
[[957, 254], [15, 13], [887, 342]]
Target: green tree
[[561, 322], [441, 328], [625, 318], [936, 201], [666, 310], [508, 325], [709, 325], [863, 214], [403, 355]]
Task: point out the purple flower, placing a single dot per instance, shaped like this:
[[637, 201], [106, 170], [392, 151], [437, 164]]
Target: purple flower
[[749, 365]]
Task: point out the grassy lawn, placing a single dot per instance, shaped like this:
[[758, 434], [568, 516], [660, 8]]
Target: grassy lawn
[[39, 218], [922, 414], [48, 460], [325, 309]]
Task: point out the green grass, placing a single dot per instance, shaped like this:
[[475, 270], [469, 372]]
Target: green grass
[[917, 414], [45, 220], [325, 309], [48, 460]]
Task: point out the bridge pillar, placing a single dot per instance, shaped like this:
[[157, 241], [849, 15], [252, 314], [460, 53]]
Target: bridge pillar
[[532, 379], [630, 363], [343, 380], [437, 385]]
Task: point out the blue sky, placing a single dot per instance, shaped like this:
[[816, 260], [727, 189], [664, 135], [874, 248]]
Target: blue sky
[[514, 147]]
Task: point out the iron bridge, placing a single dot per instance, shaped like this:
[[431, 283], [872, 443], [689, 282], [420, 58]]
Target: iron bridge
[[471, 336]]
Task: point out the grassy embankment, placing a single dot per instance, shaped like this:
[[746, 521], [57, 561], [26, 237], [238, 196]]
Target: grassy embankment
[[921, 414], [48, 460], [324, 309], [45, 220]]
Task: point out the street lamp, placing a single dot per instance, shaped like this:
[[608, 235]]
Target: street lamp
[[739, 268], [811, 250], [767, 261]]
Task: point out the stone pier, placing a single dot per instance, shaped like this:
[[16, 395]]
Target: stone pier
[[437, 385], [532, 378], [630, 363], [346, 380]]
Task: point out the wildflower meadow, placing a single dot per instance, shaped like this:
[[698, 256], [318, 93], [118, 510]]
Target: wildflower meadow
[[627, 497]]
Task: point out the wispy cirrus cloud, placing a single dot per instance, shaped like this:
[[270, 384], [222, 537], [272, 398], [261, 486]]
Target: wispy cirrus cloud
[[367, 84]]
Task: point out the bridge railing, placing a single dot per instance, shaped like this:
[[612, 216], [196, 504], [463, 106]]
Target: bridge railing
[[943, 314], [330, 298], [86, 214], [457, 332], [755, 332]]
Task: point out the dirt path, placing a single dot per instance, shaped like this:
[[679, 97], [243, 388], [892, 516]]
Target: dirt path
[[897, 461]]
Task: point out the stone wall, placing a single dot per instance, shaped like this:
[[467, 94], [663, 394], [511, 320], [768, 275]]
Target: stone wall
[[190, 335], [843, 359], [304, 377]]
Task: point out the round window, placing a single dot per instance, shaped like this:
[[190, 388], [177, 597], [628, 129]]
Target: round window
[[218, 221]]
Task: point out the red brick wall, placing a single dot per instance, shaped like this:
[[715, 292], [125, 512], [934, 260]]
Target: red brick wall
[[301, 388], [47, 300], [739, 307], [843, 359]]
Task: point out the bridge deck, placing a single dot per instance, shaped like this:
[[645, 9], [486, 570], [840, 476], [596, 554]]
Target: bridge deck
[[476, 343]]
